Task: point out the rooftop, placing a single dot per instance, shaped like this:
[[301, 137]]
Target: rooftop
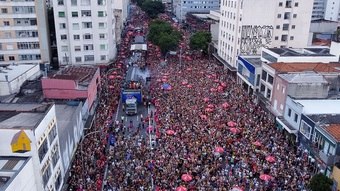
[[286, 52], [322, 21], [22, 116], [9, 169], [325, 118], [305, 77], [318, 106], [333, 130], [317, 67], [14, 71], [256, 61], [82, 74]]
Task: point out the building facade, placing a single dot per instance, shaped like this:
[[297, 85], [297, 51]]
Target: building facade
[[85, 31], [332, 11], [182, 7], [24, 35], [319, 9], [30, 130], [245, 27]]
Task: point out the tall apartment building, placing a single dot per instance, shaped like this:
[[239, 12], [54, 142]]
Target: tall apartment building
[[332, 11], [85, 31], [24, 36], [248, 25], [319, 9], [182, 7]]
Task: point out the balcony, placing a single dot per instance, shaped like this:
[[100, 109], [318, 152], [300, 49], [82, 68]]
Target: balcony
[[326, 158]]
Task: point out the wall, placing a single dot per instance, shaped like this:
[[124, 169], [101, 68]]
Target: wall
[[324, 59], [332, 10], [308, 90], [25, 179], [296, 109], [323, 27], [279, 94], [335, 49], [44, 33], [61, 89]]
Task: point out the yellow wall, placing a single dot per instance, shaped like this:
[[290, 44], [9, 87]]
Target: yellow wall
[[336, 175]]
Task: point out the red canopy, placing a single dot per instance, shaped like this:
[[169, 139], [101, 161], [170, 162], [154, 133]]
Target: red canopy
[[170, 132], [234, 130], [189, 86], [265, 177], [219, 150], [205, 99], [270, 159], [186, 177], [181, 188]]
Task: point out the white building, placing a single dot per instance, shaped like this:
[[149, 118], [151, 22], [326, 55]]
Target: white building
[[17, 174], [13, 76], [319, 9], [30, 130], [121, 12], [332, 11], [24, 35], [246, 26], [85, 31], [182, 7]]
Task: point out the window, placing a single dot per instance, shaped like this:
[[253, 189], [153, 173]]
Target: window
[[75, 26], [43, 150], [58, 182], [103, 47], [284, 38], [62, 25], [77, 48], [6, 23], [78, 59], [270, 79], [63, 37], [74, 14], [11, 58], [102, 25], [278, 15], [294, 16], [61, 14], [74, 2], [262, 88], [277, 26], [60, 2], [86, 13], [47, 174], [2, 58], [26, 33], [291, 38], [64, 48], [286, 15], [305, 129], [288, 4], [293, 26], [76, 37], [102, 57], [33, 22], [289, 112], [269, 93], [296, 118], [101, 14], [280, 4], [296, 4], [87, 36], [55, 155], [4, 10], [53, 132], [102, 36], [276, 38], [285, 27], [101, 2], [85, 2], [87, 25], [89, 58], [264, 75], [28, 45], [88, 47]]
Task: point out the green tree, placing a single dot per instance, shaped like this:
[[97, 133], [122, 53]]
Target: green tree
[[337, 35], [153, 8], [200, 41], [166, 43], [320, 182]]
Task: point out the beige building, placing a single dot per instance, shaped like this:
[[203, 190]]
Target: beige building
[[24, 35]]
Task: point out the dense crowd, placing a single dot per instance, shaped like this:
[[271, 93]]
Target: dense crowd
[[211, 134]]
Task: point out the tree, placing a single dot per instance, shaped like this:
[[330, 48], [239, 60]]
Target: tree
[[320, 182], [200, 41], [153, 8], [163, 35], [337, 35]]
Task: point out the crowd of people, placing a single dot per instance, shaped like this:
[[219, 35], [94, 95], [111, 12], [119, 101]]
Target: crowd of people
[[210, 133]]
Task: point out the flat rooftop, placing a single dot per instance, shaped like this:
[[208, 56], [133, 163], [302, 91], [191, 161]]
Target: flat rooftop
[[22, 116], [287, 52], [317, 67], [82, 74], [14, 71], [325, 118], [9, 169], [304, 77], [317, 106], [256, 61]]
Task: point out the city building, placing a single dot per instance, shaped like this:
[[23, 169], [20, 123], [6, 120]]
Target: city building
[[321, 32], [245, 27], [13, 76], [248, 73], [24, 35], [17, 173], [85, 31], [319, 7], [332, 10], [30, 130], [182, 7], [80, 83], [214, 16], [121, 12]]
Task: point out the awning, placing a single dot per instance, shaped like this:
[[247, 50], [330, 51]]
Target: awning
[[231, 68], [139, 47], [288, 127]]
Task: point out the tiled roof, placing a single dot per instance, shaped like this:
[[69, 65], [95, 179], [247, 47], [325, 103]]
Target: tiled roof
[[318, 67], [334, 131]]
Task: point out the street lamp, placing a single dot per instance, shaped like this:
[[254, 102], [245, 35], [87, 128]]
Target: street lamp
[[81, 153]]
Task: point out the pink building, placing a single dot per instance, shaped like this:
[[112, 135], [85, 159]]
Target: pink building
[[73, 83]]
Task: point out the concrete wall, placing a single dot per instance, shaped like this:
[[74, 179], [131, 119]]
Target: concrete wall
[[308, 90], [332, 10], [279, 95], [296, 108], [335, 49], [25, 179], [323, 27]]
